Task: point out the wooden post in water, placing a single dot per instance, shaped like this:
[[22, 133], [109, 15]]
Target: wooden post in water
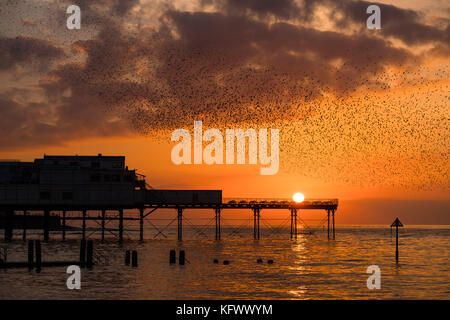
[[64, 225], [120, 225], [134, 259], [141, 224], [46, 225], [182, 257], [172, 257], [38, 256], [103, 224], [396, 224]]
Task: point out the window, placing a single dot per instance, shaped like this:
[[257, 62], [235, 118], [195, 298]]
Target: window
[[67, 195], [95, 165], [95, 177], [107, 178], [115, 178], [44, 195], [117, 165]]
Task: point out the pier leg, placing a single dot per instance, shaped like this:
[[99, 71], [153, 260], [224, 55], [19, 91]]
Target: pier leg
[[24, 235], [46, 225], [292, 218], [64, 225], [38, 256], [334, 231], [90, 254], [30, 254], [83, 227], [9, 225], [217, 224], [180, 224], [328, 213], [141, 224], [82, 253], [254, 224], [295, 223], [120, 225], [103, 224], [257, 221]]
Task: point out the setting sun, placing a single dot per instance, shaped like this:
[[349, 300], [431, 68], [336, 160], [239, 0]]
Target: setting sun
[[298, 197]]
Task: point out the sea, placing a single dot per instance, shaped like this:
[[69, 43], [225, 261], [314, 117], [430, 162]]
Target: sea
[[307, 267]]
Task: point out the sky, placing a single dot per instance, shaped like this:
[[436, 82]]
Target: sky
[[363, 114]]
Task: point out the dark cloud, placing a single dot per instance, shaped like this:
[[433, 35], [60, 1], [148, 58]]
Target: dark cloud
[[27, 51]]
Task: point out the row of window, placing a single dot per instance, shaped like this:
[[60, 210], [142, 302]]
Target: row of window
[[46, 195], [97, 177]]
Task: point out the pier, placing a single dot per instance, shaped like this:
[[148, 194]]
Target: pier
[[103, 184]]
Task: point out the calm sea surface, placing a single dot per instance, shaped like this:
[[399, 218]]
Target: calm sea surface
[[310, 267]]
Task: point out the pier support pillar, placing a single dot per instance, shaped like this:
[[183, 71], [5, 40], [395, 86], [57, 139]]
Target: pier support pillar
[[141, 224], [24, 235], [328, 219], [120, 225], [46, 225], [64, 225], [256, 216], [218, 224], [180, 224], [83, 227], [334, 230], [103, 224], [9, 215], [294, 223]]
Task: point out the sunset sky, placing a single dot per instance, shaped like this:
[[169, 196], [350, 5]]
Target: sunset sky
[[363, 114]]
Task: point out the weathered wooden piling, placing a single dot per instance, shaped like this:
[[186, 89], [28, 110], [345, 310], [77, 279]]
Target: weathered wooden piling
[[172, 257], [127, 257], [182, 257], [90, 254], [134, 259], [30, 254], [38, 256]]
